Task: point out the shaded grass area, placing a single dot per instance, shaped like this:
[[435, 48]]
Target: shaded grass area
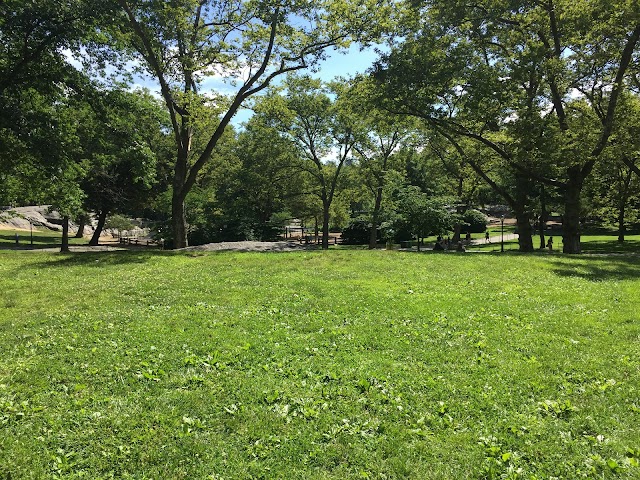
[[610, 244], [339, 364], [41, 239], [591, 244]]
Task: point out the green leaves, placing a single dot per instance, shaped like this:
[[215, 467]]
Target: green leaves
[[556, 409]]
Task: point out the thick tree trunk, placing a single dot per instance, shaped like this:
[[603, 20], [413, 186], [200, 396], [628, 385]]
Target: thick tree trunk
[[102, 218], [457, 228], [82, 222], [65, 235], [525, 240], [178, 211], [178, 223], [373, 233], [572, 207], [523, 214]]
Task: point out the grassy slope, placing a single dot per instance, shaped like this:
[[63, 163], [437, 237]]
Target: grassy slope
[[346, 364]]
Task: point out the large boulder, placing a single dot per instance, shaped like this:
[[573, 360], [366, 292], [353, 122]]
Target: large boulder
[[37, 215]]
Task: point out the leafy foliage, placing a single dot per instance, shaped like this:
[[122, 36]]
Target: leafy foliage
[[474, 221]]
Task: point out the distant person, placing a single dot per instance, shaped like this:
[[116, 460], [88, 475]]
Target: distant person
[[448, 243], [460, 247], [17, 237], [550, 244], [486, 237], [468, 238], [438, 247]]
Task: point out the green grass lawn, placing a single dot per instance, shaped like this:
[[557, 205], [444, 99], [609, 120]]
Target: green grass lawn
[[319, 365]]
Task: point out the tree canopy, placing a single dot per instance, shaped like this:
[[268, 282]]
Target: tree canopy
[[528, 104]]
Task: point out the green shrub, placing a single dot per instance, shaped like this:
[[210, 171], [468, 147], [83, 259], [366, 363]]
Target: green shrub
[[357, 232], [474, 221]]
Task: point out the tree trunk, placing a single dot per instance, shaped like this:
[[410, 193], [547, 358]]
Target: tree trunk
[[325, 224], [65, 235], [525, 240], [373, 234], [622, 207], [82, 222], [542, 221], [621, 226], [178, 211], [523, 213], [179, 222], [457, 228], [571, 218], [102, 218]]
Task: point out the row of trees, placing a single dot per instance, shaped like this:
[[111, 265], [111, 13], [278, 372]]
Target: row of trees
[[530, 104]]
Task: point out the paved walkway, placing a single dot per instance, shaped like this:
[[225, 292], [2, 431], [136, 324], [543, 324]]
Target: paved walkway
[[495, 239]]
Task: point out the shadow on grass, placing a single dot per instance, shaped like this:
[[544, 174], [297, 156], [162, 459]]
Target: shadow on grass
[[101, 259], [8, 241], [601, 268], [611, 246]]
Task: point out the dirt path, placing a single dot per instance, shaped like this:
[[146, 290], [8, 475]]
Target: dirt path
[[245, 246], [284, 246], [211, 247]]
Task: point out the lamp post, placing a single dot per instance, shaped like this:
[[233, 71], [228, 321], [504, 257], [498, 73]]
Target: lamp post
[[502, 233]]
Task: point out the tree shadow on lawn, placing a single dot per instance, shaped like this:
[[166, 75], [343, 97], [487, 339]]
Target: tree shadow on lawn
[[8, 242], [611, 246], [600, 268], [100, 259]]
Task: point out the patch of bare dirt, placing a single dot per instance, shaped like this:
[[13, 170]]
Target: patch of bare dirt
[[247, 246]]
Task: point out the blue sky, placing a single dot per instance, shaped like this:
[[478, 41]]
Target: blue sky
[[347, 64], [338, 64]]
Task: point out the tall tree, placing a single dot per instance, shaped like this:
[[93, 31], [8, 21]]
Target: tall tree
[[324, 132], [269, 178], [39, 144], [35, 34], [613, 189], [459, 178], [183, 42], [380, 139], [121, 133], [506, 75]]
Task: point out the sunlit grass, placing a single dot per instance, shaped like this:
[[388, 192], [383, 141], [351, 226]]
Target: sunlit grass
[[339, 364]]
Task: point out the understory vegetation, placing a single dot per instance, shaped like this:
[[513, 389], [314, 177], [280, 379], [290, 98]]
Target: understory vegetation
[[339, 364]]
